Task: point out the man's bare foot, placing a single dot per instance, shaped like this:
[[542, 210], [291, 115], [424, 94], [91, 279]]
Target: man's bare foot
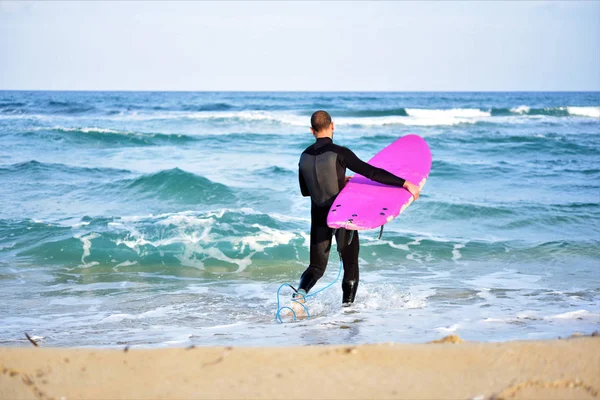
[[297, 304]]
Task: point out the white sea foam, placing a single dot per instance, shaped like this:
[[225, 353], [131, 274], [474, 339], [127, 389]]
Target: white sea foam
[[156, 313], [249, 116], [439, 120], [8, 246], [367, 241], [495, 320], [450, 113], [215, 253], [530, 315], [506, 279], [579, 314], [456, 252], [215, 213], [485, 294], [448, 329], [414, 257], [101, 286], [187, 220], [421, 235], [201, 241], [306, 238], [26, 116], [226, 326], [75, 301], [387, 296], [416, 117], [80, 224], [126, 264], [196, 289], [86, 130], [135, 244], [87, 245], [520, 110], [593, 112], [267, 237]]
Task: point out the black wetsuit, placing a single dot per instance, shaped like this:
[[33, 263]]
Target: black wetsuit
[[322, 174]]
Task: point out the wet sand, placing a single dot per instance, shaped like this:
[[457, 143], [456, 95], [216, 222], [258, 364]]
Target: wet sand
[[452, 369]]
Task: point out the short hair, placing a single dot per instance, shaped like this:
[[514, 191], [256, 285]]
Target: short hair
[[320, 120]]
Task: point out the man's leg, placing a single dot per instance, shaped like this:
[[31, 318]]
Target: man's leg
[[349, 254], [320, 245]]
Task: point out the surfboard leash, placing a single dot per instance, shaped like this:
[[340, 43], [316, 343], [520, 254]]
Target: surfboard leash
[[304, 297]]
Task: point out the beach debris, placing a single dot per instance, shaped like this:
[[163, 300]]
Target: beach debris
[[33, 342], [190, 347], [219, 359], [215, 362], [580, 334], [126, 349], [344, 350], [449, 339]]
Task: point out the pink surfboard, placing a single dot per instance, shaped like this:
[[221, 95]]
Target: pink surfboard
[[366, 204]]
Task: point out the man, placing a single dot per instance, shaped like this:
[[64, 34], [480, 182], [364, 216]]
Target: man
[[322, 175]]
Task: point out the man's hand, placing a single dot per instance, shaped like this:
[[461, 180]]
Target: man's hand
[[413, 189], [348, 178]]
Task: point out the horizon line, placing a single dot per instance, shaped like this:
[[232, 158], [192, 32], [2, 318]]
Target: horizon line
[[300, 91]]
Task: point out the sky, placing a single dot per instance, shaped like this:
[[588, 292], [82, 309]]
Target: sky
[[300, 46]]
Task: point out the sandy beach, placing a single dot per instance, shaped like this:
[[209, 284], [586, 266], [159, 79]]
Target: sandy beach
[[451, 369]]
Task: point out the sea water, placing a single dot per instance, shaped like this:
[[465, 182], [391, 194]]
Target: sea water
[[170, 219]]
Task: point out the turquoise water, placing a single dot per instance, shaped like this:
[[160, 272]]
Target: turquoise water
[[170, 219]]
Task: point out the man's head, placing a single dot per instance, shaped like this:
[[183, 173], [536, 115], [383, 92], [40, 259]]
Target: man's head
[[321, 125]]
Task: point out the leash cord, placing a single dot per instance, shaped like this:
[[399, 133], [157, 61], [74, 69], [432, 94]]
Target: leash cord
[[281, 308]]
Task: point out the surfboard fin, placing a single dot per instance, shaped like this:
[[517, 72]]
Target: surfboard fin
[[380, 232]]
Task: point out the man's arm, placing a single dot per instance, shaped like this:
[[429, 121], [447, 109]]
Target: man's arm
[[303, 187], [377, 174]]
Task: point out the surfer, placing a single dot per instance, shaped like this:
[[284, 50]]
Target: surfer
[[322, 175]]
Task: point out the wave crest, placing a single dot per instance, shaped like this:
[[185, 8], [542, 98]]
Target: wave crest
[[593, 112], [176, 185], [107, 136], [563, 111]]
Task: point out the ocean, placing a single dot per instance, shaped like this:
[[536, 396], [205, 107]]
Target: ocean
[[158, 219]]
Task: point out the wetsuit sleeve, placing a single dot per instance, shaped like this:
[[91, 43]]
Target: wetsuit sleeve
[[303, 187], [352, 162]]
